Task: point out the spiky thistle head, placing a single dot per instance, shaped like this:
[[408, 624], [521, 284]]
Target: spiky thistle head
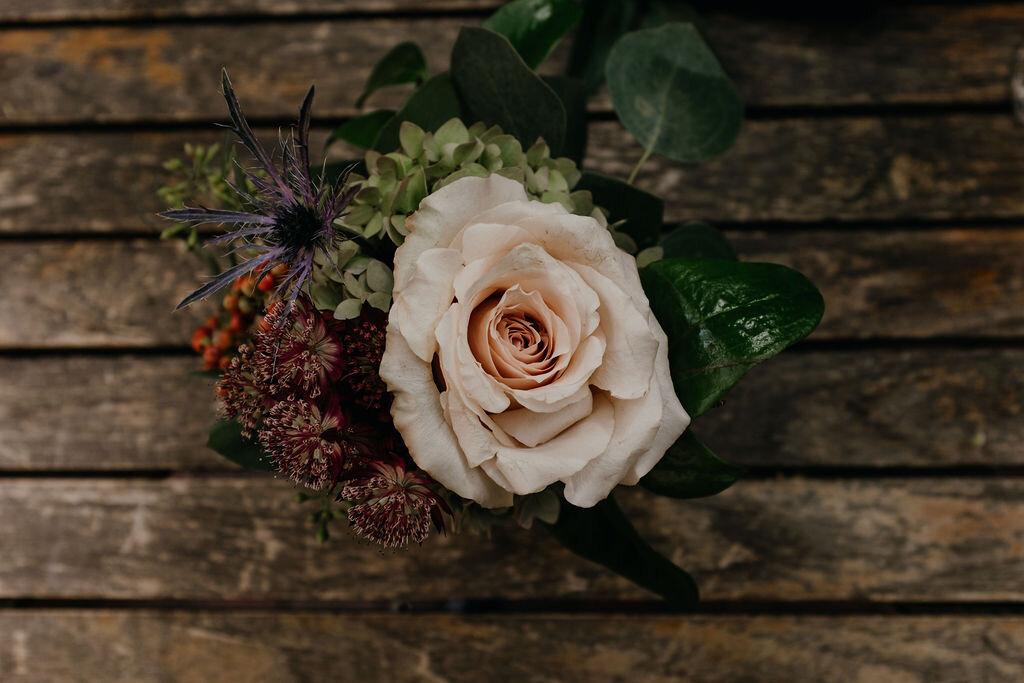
[[293, 217]]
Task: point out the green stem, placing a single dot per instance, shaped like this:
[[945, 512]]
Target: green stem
[[636, 169]]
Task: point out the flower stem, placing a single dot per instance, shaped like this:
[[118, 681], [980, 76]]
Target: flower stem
[[636, 169]]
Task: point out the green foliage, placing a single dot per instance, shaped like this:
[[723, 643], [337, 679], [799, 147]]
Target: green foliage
[[363, 130], [690, 470], [603, 22], [604, 535], [642, 212], [671, 93], [697, 240], [497, 87], [534, 27], [404, 63], [573, 94], [225, 438], [723, 317], [429, 106]]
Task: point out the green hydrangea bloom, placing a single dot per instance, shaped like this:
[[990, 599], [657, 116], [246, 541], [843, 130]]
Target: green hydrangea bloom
[[397, 182]]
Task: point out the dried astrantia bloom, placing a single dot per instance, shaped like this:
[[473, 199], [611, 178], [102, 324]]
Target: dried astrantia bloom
[[292, 219], [245, 398], [298, 349], [394, 504], [314, 443], [362, 341]]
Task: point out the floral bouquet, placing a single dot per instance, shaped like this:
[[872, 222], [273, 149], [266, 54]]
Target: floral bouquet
[[462, 329]]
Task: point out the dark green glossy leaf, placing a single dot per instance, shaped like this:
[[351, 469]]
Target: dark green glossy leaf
[[723, 317], [362, 130], [697, 240], [429, 106], [690, 470], [226, 438], [573, 94], [604, 535], [660, 12], [603, 22], [498, 88], [642, 211], [534, 27], [404, 63], [671, 93]]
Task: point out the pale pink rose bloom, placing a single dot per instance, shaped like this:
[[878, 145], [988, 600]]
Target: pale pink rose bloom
[[551, 366]]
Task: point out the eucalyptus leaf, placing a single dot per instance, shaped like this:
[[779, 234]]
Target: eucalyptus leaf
[[429, 106], [497, 87], [690, 470], [697, 240], [404, 63], [723, 317], [225, 438], [603, 22], [671, 93], [642, 211], [573, 94], [604, 535], [534, 27], [362, 130]]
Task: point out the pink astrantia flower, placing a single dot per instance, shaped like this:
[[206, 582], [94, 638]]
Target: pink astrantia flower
[[363, 342], [300, 352], [313, 444], [396, 504]]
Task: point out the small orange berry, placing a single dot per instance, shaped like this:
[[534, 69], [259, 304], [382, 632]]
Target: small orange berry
[[230, 302], [237, 323], [224, 362], [224, 340], [266, 283]]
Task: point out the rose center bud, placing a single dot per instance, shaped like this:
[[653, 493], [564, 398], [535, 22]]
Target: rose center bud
[[510, 335]]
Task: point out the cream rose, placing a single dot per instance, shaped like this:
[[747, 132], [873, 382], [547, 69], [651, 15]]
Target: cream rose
[[521, 350]]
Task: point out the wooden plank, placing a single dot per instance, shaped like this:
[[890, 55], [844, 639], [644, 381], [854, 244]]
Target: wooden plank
[[97, 294], [876, 408], [105, 413], [119, 10], [876, 284], [775, 540], [168, 72], [182, 646], [958, 167]]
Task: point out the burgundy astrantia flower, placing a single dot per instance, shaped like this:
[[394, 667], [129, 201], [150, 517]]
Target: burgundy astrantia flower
[[298, 349], [363, 342], [314, 443], [395, 504], [293, 217], [245, 397]]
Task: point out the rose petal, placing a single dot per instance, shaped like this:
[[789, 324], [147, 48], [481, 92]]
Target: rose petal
[[532, 428], [427, 294], [420, 419], [528, 470]]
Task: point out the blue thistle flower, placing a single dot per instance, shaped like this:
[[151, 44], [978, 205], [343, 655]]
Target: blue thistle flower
[[293, 219]]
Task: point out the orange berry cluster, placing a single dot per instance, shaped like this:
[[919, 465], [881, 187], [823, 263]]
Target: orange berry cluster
[[218, 339]]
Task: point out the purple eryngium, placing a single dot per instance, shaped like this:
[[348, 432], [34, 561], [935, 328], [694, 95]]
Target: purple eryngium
[[294, 217]]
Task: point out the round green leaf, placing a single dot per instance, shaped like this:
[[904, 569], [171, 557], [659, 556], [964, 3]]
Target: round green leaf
[[690, 470], [362, 130], [404, 63], [429, 106], [498, 88], [723, 317], [671, 93], [226, 438], [697, 240], [534, 27]]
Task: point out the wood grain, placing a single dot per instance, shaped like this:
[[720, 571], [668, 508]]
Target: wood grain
[[185, 646], [169, 72], [105, 413], [950, 167], [121, 294], [944, 539], [872, 408]]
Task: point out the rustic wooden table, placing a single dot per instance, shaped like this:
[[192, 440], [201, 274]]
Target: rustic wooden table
[[879, 535]]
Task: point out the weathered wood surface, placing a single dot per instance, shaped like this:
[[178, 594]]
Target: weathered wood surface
[[872, 408], [850, 169], [104, 413], [113, 293], [169, 72], [238, 537], [26, 11], [261, 646]]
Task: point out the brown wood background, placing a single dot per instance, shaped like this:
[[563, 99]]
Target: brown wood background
[[878, 537]]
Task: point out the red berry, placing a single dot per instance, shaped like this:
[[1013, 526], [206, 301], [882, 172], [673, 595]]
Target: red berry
[[211, 323], [200, 340], [224, 362], [224, 340], [230, 302], [211, 356], [237, 323], [266, 283]]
